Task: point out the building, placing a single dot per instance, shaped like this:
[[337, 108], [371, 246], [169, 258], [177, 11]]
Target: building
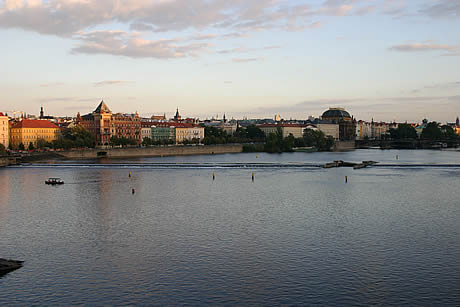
[[98, 123], [162, 132], [347, 125], [329, 129], [146, 130], [158, 117], [28, 131], [179, 132], [104, 125], [4, 130], [177, 117], [287, 129], [188, 132], [127, 126]]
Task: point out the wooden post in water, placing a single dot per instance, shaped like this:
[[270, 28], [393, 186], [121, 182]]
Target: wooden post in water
[[252, 177], [213, 176], [346, 179]]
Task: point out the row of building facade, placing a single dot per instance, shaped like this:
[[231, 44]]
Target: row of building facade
[[105, 125]]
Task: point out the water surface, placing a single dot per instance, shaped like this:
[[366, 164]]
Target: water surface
[[390, 236]]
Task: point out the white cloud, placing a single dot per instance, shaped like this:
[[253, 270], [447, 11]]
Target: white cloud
[[132, 45], [427, 47], [246, 60], [110, 82]]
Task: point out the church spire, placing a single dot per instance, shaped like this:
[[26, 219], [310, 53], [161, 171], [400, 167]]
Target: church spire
[[177, 117]]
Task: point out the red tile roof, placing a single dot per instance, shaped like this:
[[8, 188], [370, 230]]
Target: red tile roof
[[281, 125], [176, 125], [34, 123], [1, 114]]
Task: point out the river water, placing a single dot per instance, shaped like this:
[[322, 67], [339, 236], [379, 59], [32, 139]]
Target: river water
[[296, 235]]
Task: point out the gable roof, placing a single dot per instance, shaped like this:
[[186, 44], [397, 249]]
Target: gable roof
[[102, 107], [34, 123]]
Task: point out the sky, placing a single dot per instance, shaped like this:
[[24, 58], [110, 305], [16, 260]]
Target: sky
[[387, 60]]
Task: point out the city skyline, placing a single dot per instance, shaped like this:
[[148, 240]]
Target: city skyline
[[383, 59]]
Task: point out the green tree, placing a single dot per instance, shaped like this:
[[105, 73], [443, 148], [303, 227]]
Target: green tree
[[448, 133], [21, 147], [123, 141], [318, 139], [147, 141], [2, 149], [254, 133], [404, 131], [41, 143], [31, 146], [214, 131], [431, 132]]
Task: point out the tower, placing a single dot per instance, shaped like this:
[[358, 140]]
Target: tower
[[457, 122], [42, 114], [177, 117]]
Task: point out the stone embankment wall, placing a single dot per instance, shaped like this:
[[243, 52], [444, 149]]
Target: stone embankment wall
[[151, 151], [5, 161], [344, 146]]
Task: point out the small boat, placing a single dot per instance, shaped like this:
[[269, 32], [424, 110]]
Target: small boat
[[7, 265], [54, 181]]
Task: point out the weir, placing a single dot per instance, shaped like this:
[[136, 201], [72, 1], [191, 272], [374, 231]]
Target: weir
[[217, 165]]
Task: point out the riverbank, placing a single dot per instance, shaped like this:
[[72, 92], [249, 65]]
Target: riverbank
[[8, 160], [162, 151]]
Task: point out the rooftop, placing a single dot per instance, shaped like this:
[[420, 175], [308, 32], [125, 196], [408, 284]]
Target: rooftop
[[34, 123]]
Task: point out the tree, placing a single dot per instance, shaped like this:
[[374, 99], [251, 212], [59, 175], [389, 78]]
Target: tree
[[21, 147], [254, 133], [2, 149], [404, 131], [318, 139], [214, 131], [123, 141], [41, 143], [276, 143], [448, 133], [147, 141], [431, 132], [31, 146]]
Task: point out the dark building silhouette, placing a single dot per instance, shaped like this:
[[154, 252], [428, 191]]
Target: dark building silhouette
[[347, 124]]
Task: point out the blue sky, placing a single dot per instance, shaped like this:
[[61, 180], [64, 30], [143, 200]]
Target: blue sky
[[382, 59]]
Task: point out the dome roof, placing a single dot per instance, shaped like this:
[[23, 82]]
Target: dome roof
[[336, 113]]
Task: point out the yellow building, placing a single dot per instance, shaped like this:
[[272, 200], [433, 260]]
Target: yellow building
[[295, 129], [4, 130], [29, 131]]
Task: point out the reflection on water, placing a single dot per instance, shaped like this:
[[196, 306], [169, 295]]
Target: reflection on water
[[389, 236]]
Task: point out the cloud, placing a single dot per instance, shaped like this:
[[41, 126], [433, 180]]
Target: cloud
[[394, 7], [245, 50], [246, 60], [389, 108], [65, 99], [110, 82], [52, 84], [92, 24], [132, 45], [439, 86], [68, 17], [443, 8], [427, 47], [365, 10]]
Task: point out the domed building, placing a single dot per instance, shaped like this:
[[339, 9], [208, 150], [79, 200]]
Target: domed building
[[347, 124]]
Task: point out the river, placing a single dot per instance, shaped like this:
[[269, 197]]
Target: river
[[296, 235]]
